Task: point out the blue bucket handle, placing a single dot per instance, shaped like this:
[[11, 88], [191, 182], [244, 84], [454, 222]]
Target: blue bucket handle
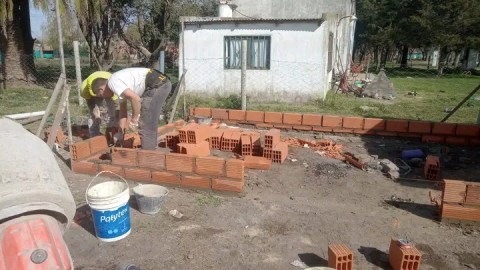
[[95, 177]]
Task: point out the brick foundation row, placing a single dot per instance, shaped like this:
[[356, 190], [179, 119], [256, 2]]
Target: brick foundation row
[[93, 155], [448, 133]]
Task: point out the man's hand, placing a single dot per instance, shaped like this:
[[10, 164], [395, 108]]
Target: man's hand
[[133, 125]]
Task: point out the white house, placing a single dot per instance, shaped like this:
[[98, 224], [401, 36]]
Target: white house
[[293, 48]]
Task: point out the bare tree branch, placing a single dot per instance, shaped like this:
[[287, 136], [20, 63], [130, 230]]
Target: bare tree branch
[[132, 44]]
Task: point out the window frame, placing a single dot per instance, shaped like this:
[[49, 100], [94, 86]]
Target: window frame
[[250, 56]]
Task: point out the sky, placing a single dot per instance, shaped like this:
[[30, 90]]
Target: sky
[[37, 20]]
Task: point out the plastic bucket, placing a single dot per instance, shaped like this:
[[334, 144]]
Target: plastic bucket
[[150, 198], [110, 209]]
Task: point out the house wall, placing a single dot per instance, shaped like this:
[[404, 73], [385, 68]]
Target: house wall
[[298, 66], [291, 8]]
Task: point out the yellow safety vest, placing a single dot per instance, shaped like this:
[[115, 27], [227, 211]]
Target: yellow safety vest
[[87, 91]]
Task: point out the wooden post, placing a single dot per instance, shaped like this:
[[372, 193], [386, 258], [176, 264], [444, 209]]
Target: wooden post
[[176, 94], [60, 38], [244, 74], [78, 70], [58, 116], [53, 98]]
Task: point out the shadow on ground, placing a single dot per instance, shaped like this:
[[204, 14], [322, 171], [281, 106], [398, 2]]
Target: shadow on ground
[[422, 210], [312, 260], [375, 257]]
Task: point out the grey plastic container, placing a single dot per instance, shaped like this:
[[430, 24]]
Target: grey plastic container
[[150, 198]]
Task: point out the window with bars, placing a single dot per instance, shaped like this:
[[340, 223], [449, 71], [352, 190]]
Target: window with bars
[[258, 52]]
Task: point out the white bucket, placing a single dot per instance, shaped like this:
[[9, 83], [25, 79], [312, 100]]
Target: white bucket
[[110, 208]]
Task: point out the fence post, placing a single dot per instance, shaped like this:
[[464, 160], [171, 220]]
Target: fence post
[[244, 74], [162, 61], [78, 71]]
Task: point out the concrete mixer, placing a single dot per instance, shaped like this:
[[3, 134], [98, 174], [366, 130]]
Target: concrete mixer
[[36, 205]]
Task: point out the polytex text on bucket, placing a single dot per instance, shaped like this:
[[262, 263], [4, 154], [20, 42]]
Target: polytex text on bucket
[[114, 217]]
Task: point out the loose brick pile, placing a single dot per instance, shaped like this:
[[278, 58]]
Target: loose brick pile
[[60, 138], [448, 133], [190, 165], [460, 200]]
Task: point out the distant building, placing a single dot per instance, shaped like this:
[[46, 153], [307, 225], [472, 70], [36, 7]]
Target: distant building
[[293, 48]]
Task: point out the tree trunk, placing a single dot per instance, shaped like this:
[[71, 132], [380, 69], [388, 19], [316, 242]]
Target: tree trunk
[[17, 46], [404, 63], [442, 61], [458, 56], [385, 53]]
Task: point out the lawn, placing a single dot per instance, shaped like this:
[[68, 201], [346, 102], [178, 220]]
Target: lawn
[[433, 96]]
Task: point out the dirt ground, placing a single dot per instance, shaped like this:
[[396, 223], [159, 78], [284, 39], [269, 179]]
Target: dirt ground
[[291, 212]]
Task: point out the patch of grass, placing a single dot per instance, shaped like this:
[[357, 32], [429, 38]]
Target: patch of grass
[[208, 200], [21, 100]]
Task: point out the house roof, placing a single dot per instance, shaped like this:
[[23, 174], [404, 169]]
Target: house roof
[[210, 20]]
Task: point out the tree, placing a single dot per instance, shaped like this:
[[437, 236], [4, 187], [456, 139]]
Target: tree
[[70, 32], [147, 25], [16, 44]]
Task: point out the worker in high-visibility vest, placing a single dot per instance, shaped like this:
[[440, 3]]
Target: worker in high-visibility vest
[[89, 88]]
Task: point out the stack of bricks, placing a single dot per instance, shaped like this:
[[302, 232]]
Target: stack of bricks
[[274, 149], [431, 169], [193, 140], [460, 200], [340, 257], [449, 133], [404, 257]]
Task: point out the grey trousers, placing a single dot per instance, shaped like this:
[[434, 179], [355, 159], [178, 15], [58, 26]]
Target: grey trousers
[[153, 99], [94, 122]]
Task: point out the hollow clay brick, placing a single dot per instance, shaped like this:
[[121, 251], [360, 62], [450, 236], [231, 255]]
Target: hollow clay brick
[[431, 169], [200, 150], [227, 185], [272, 138], [167, 178], [454, 191], [138, 174], [80, 150], [312, 120], [340, 257], [280, 152], [468, 130], [237, 115], [97, 144], [473, 194], [292, 118], [151, 159], [444, 129], [124, 156], [332, 121], [353, 122], [397, 126], [234, 169], [111, 168], [460, 212], [404, 258], [201, 182], [179, 162], [374, 124], [210, 166], [255, 116], [207, 112], [421, 127], [84, 167], [220, 114], [258, 163], [273, 117]]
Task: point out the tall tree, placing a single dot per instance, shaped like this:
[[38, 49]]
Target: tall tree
[[157, 22], [16, 44]]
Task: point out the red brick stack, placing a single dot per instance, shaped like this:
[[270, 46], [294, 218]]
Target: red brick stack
[[274, 149], [431, 169]]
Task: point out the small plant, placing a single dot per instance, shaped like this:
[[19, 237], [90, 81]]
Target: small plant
[[208, 200]]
